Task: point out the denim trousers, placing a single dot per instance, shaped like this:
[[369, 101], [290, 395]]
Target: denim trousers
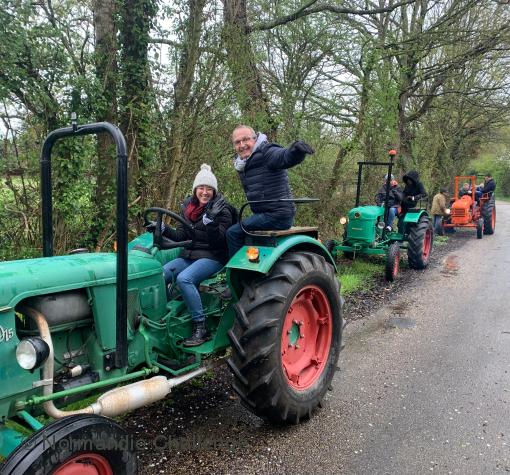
[[392, 212], [256, 222], [188, 273]]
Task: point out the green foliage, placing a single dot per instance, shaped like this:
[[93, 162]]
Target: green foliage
[[496, 161], [349, 83], [360, 274]]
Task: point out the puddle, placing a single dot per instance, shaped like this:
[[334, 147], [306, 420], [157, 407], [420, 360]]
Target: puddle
[[401, 322], [400, 308], [450, 266]]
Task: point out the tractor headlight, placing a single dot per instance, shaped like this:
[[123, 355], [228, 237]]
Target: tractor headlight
[[32, 353], [343, 220], [380, 225], [448, 210]]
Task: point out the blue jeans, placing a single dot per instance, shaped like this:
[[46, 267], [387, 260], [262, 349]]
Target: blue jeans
[[256, 222], [392, 212], [188, 273]]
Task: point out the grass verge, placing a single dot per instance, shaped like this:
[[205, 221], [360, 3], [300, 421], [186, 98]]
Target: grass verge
[[360, 274], [440, 240]]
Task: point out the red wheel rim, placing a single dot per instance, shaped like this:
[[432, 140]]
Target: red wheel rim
[[306, 337], [396, 264], [85, 464], [493, 219], [427, 244]]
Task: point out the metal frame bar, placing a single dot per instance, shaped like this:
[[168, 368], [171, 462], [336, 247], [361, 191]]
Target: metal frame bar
[[122, 216]]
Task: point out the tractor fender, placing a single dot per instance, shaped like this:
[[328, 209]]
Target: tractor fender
[[413, 216], [268, 255], [240, 269]]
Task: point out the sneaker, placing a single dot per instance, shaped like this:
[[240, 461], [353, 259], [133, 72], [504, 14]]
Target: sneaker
[[389, 229], [199, 335]]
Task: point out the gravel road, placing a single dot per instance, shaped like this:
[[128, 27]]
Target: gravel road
[[424, 387]]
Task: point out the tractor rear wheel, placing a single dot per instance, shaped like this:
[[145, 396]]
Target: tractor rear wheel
[[419, 244], [286, 338], [479, 228], [82, 444], [489, 217], [392, 262]]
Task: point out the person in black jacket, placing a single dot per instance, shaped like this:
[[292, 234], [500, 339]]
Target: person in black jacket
[[262, 168], [210, 216], [488, 185], [394, 199], [413, 190]]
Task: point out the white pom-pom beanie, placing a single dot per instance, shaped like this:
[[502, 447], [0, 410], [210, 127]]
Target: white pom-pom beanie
[[205, 177]]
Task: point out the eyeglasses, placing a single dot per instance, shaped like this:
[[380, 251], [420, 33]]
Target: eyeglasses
[[243, 140]]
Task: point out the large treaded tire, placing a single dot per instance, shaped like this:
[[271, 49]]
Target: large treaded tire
[[258, 336], [420, 242], [78, 441], [489, 217], [479, 228], [392, 262]]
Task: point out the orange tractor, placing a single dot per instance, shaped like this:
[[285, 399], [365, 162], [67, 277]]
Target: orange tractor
[[472, 209]]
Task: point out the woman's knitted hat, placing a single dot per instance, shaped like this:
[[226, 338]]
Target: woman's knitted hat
[[205, 177]]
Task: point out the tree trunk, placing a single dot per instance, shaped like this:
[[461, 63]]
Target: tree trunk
[[137, 16], [106, 73], [246, 77], [181, 113]]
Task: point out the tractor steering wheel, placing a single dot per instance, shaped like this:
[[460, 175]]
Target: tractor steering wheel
[[160, 241]]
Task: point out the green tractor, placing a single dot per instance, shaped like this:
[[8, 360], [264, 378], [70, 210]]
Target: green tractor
[[365, 231], [72, 326]]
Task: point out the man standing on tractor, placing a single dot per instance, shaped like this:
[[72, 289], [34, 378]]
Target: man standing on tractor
[[394, 199], [439, 209], [261, 166], [413, 190]]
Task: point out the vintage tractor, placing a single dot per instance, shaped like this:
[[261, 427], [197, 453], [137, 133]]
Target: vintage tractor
[[73, 325], [472, 209], [365, 231]]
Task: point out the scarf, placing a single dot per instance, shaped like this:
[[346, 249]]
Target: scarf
[[193, 211]]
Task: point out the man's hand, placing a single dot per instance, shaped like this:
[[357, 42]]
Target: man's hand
[[214, 209], [302, 147]]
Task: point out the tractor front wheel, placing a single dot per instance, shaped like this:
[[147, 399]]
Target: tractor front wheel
[[392, 262], [286, 338], [489, 217], [83, 444], [419, 244], [479, 228]]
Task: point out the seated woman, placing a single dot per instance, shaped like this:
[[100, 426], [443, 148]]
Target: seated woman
[[211, 216], [394, 200]]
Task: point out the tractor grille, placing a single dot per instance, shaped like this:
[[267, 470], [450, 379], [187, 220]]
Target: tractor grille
[[458, 212]]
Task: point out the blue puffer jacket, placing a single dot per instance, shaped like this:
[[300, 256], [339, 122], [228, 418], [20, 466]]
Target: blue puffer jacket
[[265, 178]]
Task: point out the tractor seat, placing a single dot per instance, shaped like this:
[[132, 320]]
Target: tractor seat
[[312, 231]]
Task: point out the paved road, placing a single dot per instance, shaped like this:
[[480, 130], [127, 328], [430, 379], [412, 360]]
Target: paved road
[[424, 386]]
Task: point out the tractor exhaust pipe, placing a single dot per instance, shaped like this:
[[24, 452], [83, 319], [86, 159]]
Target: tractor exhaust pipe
[[133, 396], [48, 367], [117, 401]]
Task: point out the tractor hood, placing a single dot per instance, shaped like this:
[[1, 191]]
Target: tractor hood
[[27, 277], [366, 212]]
